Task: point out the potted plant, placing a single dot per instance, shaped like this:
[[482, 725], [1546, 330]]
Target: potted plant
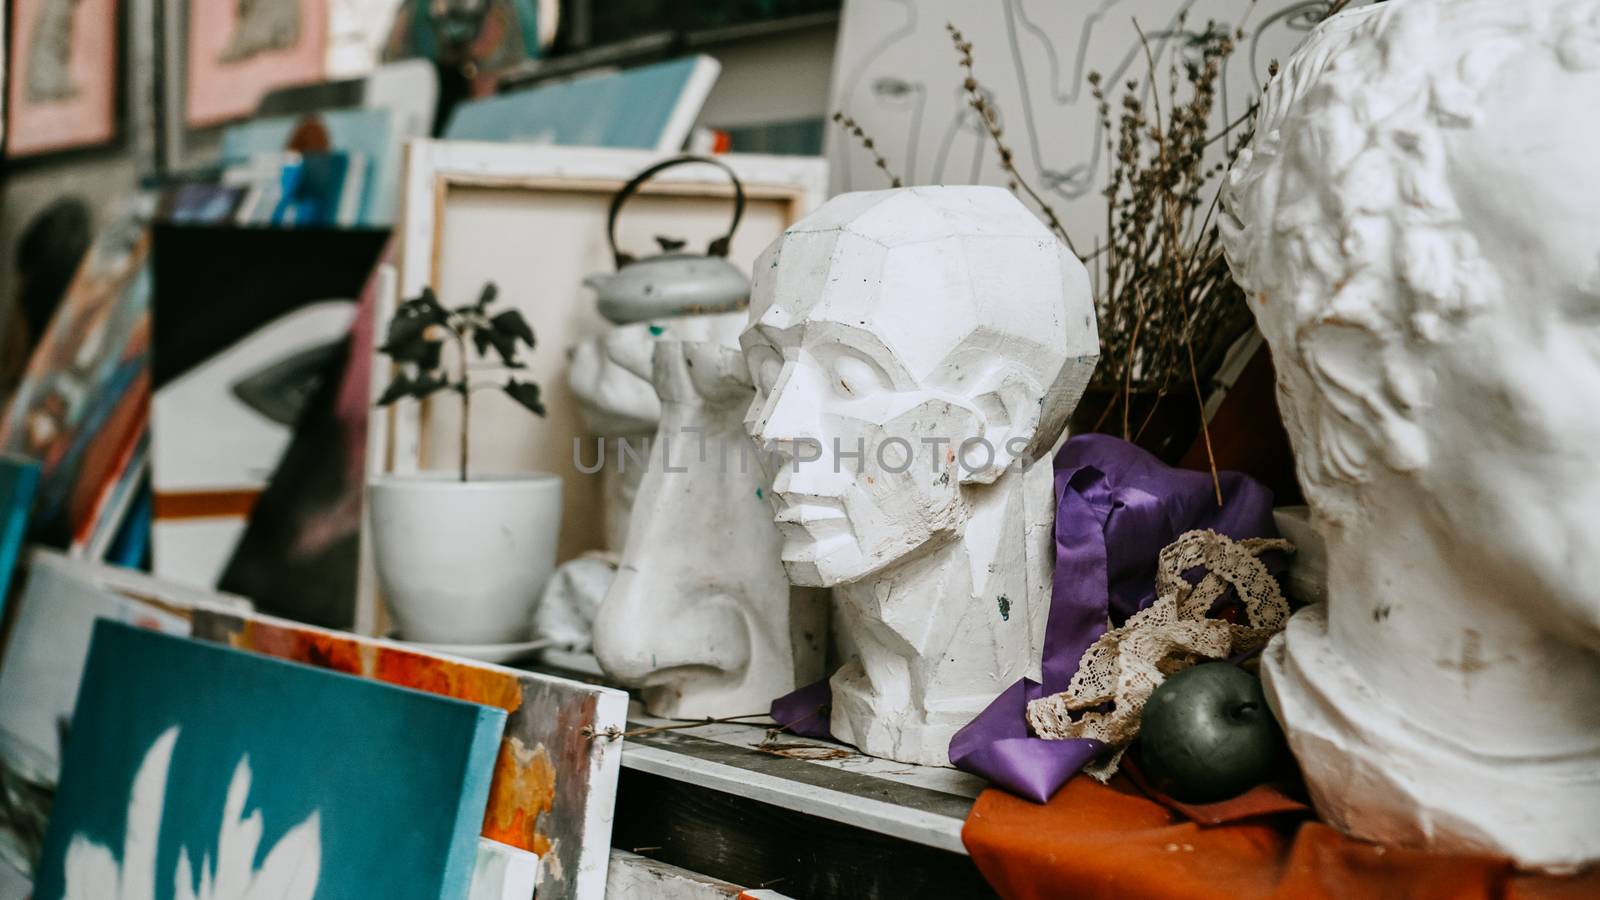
[[462, 560]]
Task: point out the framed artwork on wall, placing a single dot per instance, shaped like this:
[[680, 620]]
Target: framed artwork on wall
[[238, 50], [219, 58], [61, 76]]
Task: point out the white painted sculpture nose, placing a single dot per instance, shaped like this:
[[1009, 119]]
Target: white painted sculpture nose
[[641, 632], [792, 410]]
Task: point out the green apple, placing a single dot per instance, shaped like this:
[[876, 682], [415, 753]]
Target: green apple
[[1206, 734]]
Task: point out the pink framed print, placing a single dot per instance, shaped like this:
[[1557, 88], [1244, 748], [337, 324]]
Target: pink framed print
[[238, 50], [61, 91]]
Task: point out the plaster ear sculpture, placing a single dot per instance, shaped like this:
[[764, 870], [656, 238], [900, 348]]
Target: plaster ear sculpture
[[701, 615], [1415, 229], [912, 350]]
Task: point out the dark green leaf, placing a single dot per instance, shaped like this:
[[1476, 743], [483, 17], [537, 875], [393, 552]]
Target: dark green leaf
[[489, 293], [419, 350], [504, 344], [525, 393], [431, 301], [404, 328], [401, 386], [428, 384], [511, 323], [480, 340]]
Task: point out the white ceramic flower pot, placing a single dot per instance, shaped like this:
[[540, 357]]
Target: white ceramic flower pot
[[464, 562]]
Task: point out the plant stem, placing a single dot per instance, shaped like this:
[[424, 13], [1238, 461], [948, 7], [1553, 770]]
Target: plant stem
[[466, 397]]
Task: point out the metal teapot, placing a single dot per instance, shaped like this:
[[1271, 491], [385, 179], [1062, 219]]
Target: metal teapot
[[671, 283]]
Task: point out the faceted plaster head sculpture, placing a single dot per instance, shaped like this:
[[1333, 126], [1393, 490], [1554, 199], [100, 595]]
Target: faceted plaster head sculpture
[[1415, 227], [701, 615], [912, 350]]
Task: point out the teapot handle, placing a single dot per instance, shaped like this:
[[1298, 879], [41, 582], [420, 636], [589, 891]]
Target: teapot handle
[[718, 247]]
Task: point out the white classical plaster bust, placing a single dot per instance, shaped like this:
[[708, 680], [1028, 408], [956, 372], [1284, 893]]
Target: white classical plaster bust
[[944, 335], [1416, 228], [701, 615]]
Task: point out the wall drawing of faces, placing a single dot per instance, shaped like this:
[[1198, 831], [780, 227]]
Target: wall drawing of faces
[[896, 73]]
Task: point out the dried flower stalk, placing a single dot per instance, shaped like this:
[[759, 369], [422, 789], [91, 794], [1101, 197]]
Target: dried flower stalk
[[991, 124], [849, 124], [1167, 304]]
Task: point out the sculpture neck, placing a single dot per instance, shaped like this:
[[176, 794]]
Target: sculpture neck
[[951, 624], [1420, 623]]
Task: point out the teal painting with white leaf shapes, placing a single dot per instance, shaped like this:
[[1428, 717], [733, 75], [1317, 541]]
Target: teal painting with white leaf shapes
[[197, 772]]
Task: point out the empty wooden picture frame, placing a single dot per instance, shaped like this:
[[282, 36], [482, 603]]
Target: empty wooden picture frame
[[532, 219]]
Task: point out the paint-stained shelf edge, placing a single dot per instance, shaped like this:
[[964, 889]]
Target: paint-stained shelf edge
[[907, 812]]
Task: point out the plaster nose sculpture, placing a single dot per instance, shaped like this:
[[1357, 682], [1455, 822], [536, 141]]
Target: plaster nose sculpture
[[701, 615], [912, 350], [1415, 229]]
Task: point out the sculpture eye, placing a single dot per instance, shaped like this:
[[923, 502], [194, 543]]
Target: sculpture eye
[[854, 377], [765, 366]]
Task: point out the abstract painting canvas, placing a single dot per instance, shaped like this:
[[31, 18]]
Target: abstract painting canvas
[[220, 426], [19, 480], [215, 773], [238, 50], [300, 549], [62, 80], [84, 400], [554, 781]]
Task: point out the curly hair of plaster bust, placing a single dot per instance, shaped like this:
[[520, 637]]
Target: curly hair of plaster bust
[[1341, 225]]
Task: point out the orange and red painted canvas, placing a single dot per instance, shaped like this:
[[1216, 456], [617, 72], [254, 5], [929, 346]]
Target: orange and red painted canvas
[[554, 783], [62, 75], [238, 50]]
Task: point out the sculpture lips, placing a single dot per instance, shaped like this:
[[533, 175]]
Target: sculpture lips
[[813, 518]]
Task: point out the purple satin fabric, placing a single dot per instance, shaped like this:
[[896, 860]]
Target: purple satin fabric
[[1116, 508], [806, 711]]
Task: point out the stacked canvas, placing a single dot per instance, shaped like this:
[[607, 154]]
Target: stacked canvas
[[61, 716], [556, 773], [647, 108], [364, 141], [43, 665], [261, 778], [82, 407]]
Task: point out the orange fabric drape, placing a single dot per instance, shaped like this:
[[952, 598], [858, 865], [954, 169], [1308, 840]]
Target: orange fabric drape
[[1097, 841]]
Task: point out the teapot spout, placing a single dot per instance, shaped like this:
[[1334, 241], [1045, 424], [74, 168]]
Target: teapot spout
[[598, 281]]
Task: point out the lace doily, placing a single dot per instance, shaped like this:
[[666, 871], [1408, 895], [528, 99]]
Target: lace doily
[[1126, 664]]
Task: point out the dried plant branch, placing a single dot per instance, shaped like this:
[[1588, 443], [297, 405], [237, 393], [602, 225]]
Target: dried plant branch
[[991, 124], [867, 143], [1167, 303], [1172, 209]]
